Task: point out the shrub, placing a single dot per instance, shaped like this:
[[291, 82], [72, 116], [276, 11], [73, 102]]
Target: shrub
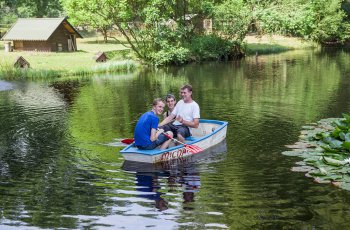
[[213, 47], [170, 55]]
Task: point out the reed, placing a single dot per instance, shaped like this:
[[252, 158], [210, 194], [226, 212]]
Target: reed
[[116, 66], [7, 71]]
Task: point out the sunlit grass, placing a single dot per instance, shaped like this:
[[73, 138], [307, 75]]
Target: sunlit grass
[[57, 64], [265, 49], [274, 44]]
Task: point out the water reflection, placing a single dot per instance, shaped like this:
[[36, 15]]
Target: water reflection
[[148, 186], [4, 85], [181, 175], [57, 169]]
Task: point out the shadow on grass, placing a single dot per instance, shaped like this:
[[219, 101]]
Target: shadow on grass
[[86, 33], [108, 42], [255, 48], [119, 54]]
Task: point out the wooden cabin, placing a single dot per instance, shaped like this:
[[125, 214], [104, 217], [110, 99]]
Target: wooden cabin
[[100, 57], [20, 62], [42, 34]]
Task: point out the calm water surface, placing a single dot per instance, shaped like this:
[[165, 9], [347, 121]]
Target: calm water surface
[[60, 166]]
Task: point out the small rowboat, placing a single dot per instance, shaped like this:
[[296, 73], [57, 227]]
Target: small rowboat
[[208, 134], [185, 165]]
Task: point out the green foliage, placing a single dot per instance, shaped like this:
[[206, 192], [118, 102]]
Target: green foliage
[[10, 10], [319, 20], [329, 23], [157, 31], [332, 164], [83, 12], [7, 14], [210, 47], [170, 55], [232, 19], [119, 54]]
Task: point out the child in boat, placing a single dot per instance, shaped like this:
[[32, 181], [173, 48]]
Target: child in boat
[[186, 114], [170, 101], [146, 135]]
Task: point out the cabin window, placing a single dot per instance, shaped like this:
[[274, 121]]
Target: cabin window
[[59, 47]]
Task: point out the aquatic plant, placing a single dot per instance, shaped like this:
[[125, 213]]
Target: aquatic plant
[[115, 66], [325, 147]]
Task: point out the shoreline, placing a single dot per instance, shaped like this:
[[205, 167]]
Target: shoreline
[[82, 63]]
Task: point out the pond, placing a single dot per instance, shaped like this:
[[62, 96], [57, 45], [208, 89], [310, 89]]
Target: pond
[[60, 165]]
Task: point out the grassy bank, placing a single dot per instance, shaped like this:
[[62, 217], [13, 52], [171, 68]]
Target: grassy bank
[[52, 64], [47, 64], [274, 44]]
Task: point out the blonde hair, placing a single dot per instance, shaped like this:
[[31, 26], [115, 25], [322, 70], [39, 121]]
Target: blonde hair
[[156, 101]]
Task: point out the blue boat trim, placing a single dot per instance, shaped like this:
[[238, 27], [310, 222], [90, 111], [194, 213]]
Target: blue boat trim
[[131, 149]]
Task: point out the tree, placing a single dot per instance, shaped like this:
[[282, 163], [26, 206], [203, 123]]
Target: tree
[[318, 20], [233, 19], [82, 13], [144, 24], [39, 8]]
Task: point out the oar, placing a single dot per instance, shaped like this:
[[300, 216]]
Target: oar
[[127, 141], [191, 148]]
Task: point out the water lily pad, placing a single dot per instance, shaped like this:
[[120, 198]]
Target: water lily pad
[[345, 186], [328, 149], [347, 117], [304, 168], [312, 159], [331, 161], [301, 145], [322, 180], [346, 145], [308, 127], [341, 124], [292, 153], [318, 172], [346, 178], [333, 177], [325, 149], [301, 163]]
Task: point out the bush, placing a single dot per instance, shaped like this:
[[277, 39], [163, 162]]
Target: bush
[[213, 47], [318, 20], [170, 55]]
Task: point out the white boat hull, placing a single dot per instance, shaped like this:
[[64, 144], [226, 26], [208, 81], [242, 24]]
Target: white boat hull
[[208, 134]]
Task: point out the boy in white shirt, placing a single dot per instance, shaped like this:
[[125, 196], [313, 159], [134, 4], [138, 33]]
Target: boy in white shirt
[[187, 115]]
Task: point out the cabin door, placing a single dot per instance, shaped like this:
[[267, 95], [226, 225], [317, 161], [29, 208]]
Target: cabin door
[[18, 45], [71, 43]]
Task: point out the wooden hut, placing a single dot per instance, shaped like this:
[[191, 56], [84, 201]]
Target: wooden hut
[[20, 62], [100, 57], [42, 34]]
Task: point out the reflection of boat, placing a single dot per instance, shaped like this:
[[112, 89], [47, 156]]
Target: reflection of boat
[[185, 164], [208, 134]]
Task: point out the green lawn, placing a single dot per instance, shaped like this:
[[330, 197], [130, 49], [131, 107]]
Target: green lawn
[[274, 44], [66, 61]]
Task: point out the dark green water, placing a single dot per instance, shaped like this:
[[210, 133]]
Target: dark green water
[[60, 166]]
